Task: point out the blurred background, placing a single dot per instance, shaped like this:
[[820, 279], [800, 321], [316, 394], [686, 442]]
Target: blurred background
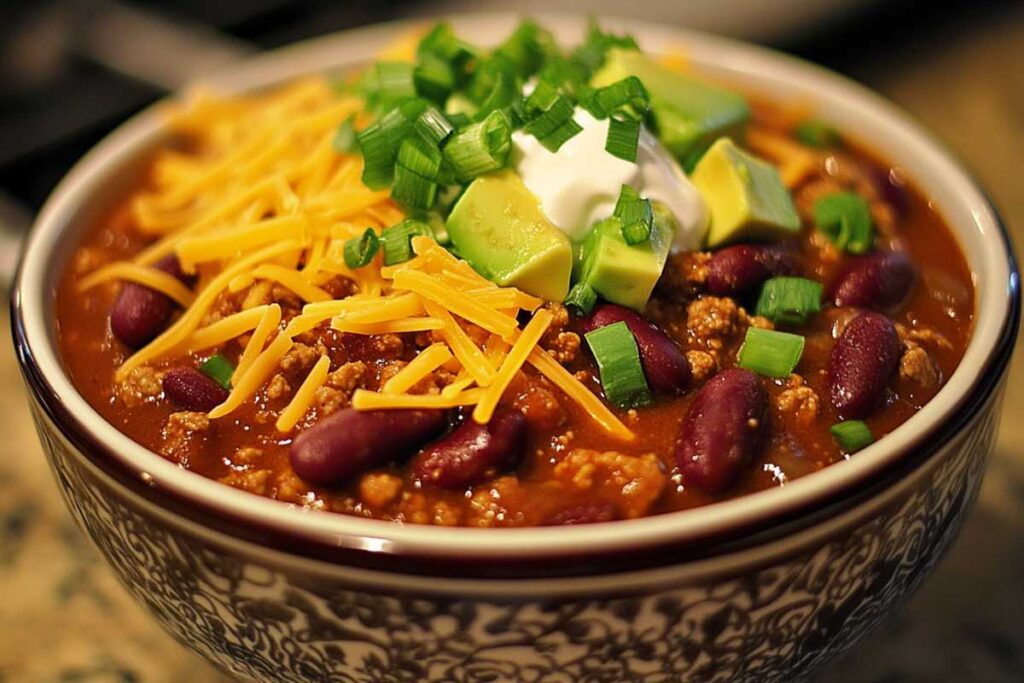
[[71, 70]]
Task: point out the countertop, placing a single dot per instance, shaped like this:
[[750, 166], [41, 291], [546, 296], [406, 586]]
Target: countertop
[[63, 616]]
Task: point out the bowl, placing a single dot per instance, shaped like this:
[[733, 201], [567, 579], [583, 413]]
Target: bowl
[[764, 587]]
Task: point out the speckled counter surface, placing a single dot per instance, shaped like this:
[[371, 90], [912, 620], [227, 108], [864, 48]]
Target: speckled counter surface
[[63, 617]]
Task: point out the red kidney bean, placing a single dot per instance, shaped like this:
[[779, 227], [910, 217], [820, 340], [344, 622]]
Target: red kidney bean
[[139, 313], [192, 390], [879, 280], [464, 457], [893, 189], [665, 366], [586, 513], [861, 364], [738, 269], [722, 430], [349, 442]]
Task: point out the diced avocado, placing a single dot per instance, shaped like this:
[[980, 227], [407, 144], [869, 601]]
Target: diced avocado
[[499, 228], [745, 196], [688, 114], [621, 273]]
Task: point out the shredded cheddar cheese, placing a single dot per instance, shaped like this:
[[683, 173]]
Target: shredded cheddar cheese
[[263, 201]]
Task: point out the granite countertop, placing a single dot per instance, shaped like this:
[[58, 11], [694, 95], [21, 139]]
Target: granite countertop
[[64, 617]]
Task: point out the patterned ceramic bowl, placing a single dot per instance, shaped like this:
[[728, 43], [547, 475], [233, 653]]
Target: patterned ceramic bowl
[[763, 588]]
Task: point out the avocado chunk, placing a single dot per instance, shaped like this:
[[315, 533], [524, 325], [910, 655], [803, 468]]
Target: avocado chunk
[[746, 197], [688, 114], [499, 228], [621, 273]]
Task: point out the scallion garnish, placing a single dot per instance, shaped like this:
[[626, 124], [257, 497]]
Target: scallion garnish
[[480, 147], [845, 218], [523, 48], [380, 142], [592, 51], [789, 300], [219, 369], [636, 215], [623, 137], [629, 92], [618, 362], [433, 126], [344, 139], [434, 79], [359, 251], [554, 116], [396, 241], [388, 83], [582, 297], [504, 92], [412, 190], [770, 353], [817, 134], [852, 435]]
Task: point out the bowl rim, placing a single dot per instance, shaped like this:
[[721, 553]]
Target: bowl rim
[[671, 537]]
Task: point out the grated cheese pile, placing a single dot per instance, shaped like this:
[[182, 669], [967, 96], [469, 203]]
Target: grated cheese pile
[[261, 197]]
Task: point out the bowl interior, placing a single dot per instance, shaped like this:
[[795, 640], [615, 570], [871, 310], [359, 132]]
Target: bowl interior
[[112, 167]]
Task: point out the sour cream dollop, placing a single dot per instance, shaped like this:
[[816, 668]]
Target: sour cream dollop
[[578, 185]]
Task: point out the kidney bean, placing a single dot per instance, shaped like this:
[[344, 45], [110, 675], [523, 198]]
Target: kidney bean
[[192, 390], [586, 513], [139, 313], [738, 269], [892, 188], [665, 366], [349, 442], [464, 457], [879, 280], [722, 430], [861, 363]]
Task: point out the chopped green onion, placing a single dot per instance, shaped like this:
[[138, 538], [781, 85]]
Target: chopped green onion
[[567, 131], [551, 119], [359, 251], [618, 361], [432, 126], [623, 137], [582, 297], [591, 53], [219, 369], [420, 157], [480, 148], [817, 134], [566, 75], [412, 190], [523, 48], [770, 353], [636, 214], [789, 300], [852, 435], [388, 83], [627, 93], [434, 78], [396, 240], [542, 98], [845, 218], [344, 140], [441, 42], [502, 95], [380, 141], [486, 77]]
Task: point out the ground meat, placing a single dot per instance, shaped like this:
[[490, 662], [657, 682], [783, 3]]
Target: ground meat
[[563, 345], [339, 387], [183, 432], [141, 385], [387, 345], [923, 335], [253, 481], [712, 319], [631, 483], [756, 321], [702, 365], [289, 488], [286, 297], [278, 387], [247, 456], [799, 400], [492, 505], [340, 287], [379, 489], [685, 275], [539, 405], [917, 366], [300, 356]]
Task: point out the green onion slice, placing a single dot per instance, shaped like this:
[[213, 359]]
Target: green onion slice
[[618, 362], [412, 190], [770, 353], [636, 214], [396, 240], [381, 140], [432, 126], [344, 140], [845, 218], [359, 251], [219, 369], [480, 147], [582, 297], [789, 300], [523, 48], [434, 78], [388, 83], [852, 435], [817, 134], [629, 93], [623, 137], [554, 140]]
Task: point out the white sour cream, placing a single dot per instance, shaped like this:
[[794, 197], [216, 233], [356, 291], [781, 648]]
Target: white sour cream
[[578, 185]]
